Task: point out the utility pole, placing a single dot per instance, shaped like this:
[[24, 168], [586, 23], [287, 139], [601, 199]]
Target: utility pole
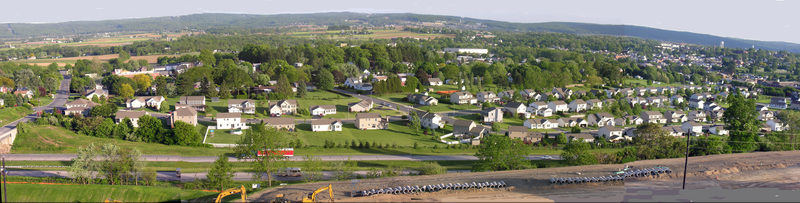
[[686, 162], [5, 189]]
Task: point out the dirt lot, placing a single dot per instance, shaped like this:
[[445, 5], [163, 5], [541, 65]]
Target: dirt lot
[[746, 175]]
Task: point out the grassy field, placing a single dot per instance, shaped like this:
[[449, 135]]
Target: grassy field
[[397, 134], [99, 193], [11, 114], [442, 107], [223, 136], [51, 139]]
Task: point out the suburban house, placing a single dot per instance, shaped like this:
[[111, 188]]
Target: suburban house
[[516, 108], [522, 133], [718, 130], [578, 136], [601, 119], [572, 122], [545, 112], [362, 106], [462, 97], [352, 82], [322, 110], [695, 128], [675, 116], [653, 117], [507, 93], [698, 116], [628, 120], [776, 125], [594, 104], [494, 114], [577, 105], [435, 82], [675, 131], [609, 131], [487, 96], [540, 124], [79, 106], [371, 121], [183, 113], [558, 106], [778, 103], [527, 93], [469, 128], [423, 99], [697, 104], [98, 92], [280, 123], [245, 106], [196, 102], [282, 107], [430, 120], [535, 106], [133, 115], [676, 99], [323, 125], [561, 93], [148, 101], [230, 121], [765, 115]]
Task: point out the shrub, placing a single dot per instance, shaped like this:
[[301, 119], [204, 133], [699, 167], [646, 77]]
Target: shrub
[[431, 168]]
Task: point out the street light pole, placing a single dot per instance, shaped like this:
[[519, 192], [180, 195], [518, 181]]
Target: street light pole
[[686, 161]]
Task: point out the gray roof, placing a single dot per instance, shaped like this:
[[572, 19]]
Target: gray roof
[[185, 112], [323, 107], [130, 114], [325, 121], [279, 121], [517, 129], [462, 123], [368, 115], [229, 115]]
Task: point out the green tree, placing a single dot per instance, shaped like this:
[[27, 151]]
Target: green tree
[[51, 84], [501, 153], [577, 153], [652, 142], [312, 168], [105, 129], [302, 90], [150, 129], [185, 134], [207, 57], [161, 86], [561, 138], [415, 122], [431, 168], [126, 91], [742, 121], [284, 87], [325, 80], [258, 138], [143, 81], [84, 165], [221, 174], [496, 126], [124, 56]]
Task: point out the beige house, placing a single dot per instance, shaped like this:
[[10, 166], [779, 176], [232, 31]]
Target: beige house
[[653, 117], [133, 115], [196, 102], [281, 123], [522, 133], [282, 107], [362, 106], [79, 106], [371, 121], [183, 113]]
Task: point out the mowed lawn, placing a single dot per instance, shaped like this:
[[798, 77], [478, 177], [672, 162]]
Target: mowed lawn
[[99, 193], [397, 134], [57, 140]]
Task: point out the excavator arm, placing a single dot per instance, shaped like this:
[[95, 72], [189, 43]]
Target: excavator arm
[[312, 197], [231, 191]]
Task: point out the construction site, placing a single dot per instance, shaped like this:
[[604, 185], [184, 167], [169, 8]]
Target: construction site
[[729, 177]]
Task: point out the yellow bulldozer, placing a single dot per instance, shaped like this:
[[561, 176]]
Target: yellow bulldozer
[[231, 191], [312, 197]]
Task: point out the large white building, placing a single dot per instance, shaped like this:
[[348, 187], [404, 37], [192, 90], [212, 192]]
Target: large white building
[[467, 50]]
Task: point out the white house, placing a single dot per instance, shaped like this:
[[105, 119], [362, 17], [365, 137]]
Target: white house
[[558, 106], [322, 110], [352, 82], [515, 108], [463, 97], [435, 82], [776, 125], [676, 99], [601, 119], [430, 120], [718, 130], [545, 112], [139, 102], [577, 105], [594, 104], [322, 125], [492, 115], [230, 121], [609, 131], [696, 128], [697, 104], [540, 124], [487, 96], [527, 93]]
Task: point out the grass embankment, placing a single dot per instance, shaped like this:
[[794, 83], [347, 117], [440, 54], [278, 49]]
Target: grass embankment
[[57, 140], [99, 193], [11, 114]]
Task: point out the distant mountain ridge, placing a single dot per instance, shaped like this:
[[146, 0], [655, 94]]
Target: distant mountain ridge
[[250, 21]]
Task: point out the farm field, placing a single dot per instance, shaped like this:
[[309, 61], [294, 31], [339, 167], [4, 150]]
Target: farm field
[[377, 34]]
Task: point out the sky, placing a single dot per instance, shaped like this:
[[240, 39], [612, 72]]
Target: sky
[[766, 20]]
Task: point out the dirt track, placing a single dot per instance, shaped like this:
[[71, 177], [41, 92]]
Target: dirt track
[[730, 171]]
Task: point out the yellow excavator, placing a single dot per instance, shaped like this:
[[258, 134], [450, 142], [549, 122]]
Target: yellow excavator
[[312, 197], [231, 191]]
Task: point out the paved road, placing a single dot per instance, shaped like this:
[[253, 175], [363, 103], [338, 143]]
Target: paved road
[[58, 101], [190, 177], [209, 159]]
